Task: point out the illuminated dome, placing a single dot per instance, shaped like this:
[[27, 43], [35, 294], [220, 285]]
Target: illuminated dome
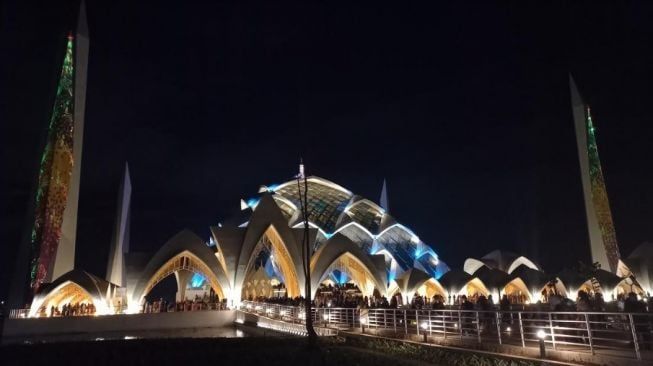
[[334, 209]]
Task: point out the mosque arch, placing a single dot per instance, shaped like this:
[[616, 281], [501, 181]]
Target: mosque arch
[[517, 292], [475, 287], [184, 261], [431, 288], [522, 261], [367, 271], [355, 269], [271, 240], [183, 254], [74, 287]]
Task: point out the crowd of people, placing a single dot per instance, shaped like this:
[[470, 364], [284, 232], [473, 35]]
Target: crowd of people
[[199, 303], [348, 296], [76, 309]]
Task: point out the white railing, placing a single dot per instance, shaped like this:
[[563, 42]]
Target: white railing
[[18, 313], [623, 333]]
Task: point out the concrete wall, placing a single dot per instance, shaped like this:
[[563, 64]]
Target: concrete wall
[[19, 328]]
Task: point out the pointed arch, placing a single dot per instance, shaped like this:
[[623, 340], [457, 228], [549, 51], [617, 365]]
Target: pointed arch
[[522, 261], [281, 257], [517, 290], [75, 286], [184, 261], [368, 270], [184, 251], [475, 286], [430, 288]]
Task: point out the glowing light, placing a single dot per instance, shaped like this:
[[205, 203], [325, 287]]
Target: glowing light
[[541, 334], [363, 320], [508, 329], [272, 187], [253, 202], [197, 280], [424, 325], [129, 337], [325, 317], [414, 239]]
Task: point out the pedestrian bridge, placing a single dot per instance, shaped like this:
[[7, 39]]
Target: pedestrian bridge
[[588, 335]]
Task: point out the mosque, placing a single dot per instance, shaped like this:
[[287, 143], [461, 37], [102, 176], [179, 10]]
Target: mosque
[[353, 240]]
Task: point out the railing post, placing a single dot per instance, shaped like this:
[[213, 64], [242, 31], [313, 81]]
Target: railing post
[[521, 331], [430, 328], [553, 337], [589, 333], [444, 324], [478, 327], [394, 320], [498, 320], [385, 319], [634, 332], [417, 321], [460, 325], [405, 323]]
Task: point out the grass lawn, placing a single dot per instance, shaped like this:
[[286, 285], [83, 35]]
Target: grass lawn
[[268, 351]]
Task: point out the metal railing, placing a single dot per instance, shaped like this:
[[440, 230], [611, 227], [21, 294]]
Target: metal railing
[[18, 313], [621, 334]]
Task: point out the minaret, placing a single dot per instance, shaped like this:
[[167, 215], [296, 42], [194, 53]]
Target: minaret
[[301, 169], [603, 240], [385, 204], [120, 242], [64, 260]]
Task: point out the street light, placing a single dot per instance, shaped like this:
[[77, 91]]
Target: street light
[[424, 327], [541, 335]]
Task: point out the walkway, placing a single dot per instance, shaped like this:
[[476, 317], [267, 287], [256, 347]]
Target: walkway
[[623, 335]]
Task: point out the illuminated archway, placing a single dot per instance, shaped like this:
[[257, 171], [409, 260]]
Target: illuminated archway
[[517, 292], [475, 287], [431, 288], [184, 261], [359, 274], [66, 293], [279, 255]]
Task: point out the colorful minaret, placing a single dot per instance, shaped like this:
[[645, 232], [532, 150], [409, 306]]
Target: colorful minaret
[[603, 239], [53, 233]]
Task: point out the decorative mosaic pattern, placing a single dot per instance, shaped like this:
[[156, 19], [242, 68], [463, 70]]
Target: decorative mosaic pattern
[[600, 197], [54, 177]]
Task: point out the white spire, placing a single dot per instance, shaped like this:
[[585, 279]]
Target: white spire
[[301, 169], [384, 197]]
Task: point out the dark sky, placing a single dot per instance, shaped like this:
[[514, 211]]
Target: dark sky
[[463, 108]]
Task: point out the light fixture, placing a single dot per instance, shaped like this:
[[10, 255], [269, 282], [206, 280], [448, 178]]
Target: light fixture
[[424, 325], [541, 334], [363, 320], [508, 329]]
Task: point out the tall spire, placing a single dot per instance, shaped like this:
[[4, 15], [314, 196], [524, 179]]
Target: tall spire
[[385, 204], [120, 242], [301, 169], [64, 260], [603, 240]]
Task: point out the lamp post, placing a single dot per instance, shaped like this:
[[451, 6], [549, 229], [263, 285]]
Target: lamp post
[[363, 321], [424, 327], [541, 335]]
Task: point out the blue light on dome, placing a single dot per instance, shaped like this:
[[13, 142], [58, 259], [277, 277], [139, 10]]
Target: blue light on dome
[[252, 202], [273, 187], [197, 280]]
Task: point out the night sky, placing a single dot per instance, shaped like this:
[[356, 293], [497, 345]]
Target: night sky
[[463, 108]]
